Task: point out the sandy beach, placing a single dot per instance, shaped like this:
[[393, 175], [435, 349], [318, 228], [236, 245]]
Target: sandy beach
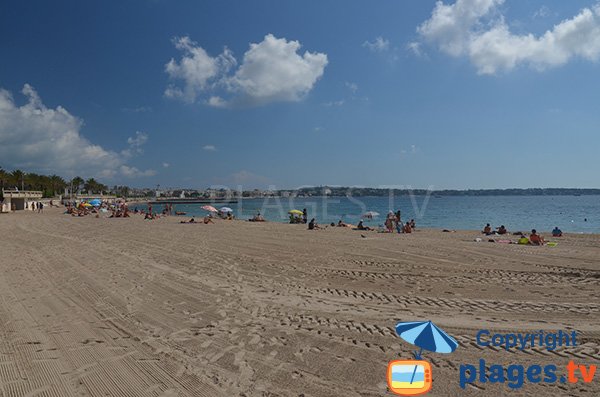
[[127, 307]]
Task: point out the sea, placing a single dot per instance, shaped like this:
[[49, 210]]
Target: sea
[[576, 214]]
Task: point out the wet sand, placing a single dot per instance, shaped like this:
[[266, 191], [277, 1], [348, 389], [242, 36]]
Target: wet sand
[[127, 307]]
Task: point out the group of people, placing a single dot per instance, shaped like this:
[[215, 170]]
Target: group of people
[[37, 206], [393, 222], [487, 230], [533, 239], [295, 217]]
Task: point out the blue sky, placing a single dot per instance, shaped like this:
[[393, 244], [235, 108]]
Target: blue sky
[[460, 94]]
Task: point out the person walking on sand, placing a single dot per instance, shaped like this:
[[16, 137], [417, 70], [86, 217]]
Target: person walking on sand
[[304, 216]]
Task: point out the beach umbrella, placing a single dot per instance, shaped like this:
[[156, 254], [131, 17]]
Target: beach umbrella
[[226, 209], [295, 212], [95, 202], [86, 205], [370, 214], [426, 335], [209, 208]]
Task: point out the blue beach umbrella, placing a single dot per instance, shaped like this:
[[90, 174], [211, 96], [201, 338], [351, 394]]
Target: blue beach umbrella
[[95, 202], [425, 335]]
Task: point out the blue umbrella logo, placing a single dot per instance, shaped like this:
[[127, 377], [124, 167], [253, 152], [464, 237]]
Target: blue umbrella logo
[[426, 335]]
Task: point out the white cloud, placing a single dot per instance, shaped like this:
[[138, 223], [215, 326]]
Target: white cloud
[[334, 103], [166, 165], [542, 12], [378, 45], [139, 109], [415, 48], [217, 102], [351, 86], [138, 140], [36, 138], [210, 148], [271, 71], [472, 28], [132, 172], [197, 69]]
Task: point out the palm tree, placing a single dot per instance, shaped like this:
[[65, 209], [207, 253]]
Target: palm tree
[[57, 184], [90, 186], [76, 184], [18, 177], [3, 178]]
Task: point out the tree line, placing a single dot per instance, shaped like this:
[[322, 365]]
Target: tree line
[[49, 185]]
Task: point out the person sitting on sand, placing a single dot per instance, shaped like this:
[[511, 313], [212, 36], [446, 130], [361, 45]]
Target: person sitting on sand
[[523, 240], [487, 230], [312, 225], [208, 219], [535, 238], [412, 224], [407, 228], [342, 224], [556, 232], [360, 226], [190, 221], [147, 216], [502, 230]]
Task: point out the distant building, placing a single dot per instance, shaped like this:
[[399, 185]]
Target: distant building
[[17, 200]]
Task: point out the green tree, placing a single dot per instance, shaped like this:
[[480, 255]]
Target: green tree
[[18, 179], [76, 184]]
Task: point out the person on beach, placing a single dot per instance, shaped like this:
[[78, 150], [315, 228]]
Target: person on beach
[[523, 240], [487, 230], [208, 219], [360, 226], [312, 225], [190, 221], [304, 216], [389, 222], [502, 230], [556, 232], [535, 238], [407, 228], [398, 222], [412, 225]]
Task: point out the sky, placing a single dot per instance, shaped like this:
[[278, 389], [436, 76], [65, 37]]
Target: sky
[[450, 95]]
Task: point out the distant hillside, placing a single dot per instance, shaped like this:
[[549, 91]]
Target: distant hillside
[[343, 191]]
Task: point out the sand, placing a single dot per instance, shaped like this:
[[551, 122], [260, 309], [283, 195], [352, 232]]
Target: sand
[[127, 307]]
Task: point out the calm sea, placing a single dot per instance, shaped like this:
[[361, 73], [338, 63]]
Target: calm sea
[[571, 213]]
